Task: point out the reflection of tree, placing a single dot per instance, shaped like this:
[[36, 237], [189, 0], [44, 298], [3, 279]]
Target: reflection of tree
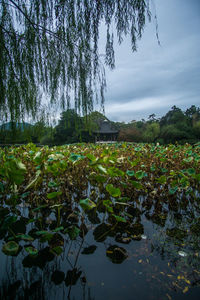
[[49, 273], [44, 279]]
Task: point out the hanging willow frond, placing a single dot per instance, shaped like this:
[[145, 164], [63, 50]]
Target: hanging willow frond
[[50, 47]]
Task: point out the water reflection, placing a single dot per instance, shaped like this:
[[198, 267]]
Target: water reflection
[[80, 255]]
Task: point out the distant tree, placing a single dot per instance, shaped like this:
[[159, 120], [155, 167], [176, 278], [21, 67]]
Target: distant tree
[[193, 114], [173, 116], [42, 133], [130, 135], [51, 46], [152, 117], [68, 128], [92, 121], [197, 130], [151, 132], [172, 133]]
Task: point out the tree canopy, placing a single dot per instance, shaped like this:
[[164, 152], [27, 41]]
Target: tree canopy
[[49, 48]]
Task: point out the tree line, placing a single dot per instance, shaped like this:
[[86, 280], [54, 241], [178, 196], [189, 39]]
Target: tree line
[[175, 126]]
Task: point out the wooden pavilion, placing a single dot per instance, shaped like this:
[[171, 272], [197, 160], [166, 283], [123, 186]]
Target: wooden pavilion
[[106, 133]]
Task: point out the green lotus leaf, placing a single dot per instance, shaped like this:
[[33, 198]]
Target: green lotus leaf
[[57, 250], [75, 157], [108, 205], [25, 237], [137, 185], [119, 219], [54, 194], [8, 221], [140, 174], [130, 173], [73, 232], [173, 190], [190, 171], [52, 184], [162, 179], [31, 250], [87, 204], [10, 248], [114, 192]]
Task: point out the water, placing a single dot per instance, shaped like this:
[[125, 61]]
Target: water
[[161, 260]]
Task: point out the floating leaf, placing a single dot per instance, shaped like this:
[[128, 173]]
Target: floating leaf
[[25, 237], [162, 179], [10, 248], [163, 170], [123, 199], [114, 172], [41, 232], [108, 204], [73, 232], [58, 229], [91, 157], [58, 277], [116, 254], [153, 168], [72, 277], [114, 192], [173, 190], [57, 250], [54, 194], [75, 157], [130, 173], [25, 195], [87, 204], [119, 219], [40, 207], [137, 185], [31, 250], [8, 221], [140, 174], [52, 184], [89, 250], [100, 178]]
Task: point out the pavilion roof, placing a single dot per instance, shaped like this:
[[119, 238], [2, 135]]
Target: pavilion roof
[[106, 128]]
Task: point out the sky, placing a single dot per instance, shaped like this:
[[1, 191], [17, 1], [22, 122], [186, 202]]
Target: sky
[[156, 77]]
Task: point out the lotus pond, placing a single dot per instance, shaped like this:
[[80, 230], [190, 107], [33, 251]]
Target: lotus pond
[[87, 221]]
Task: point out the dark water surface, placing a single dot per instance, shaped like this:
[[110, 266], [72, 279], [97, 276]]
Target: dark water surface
[[159, 260]]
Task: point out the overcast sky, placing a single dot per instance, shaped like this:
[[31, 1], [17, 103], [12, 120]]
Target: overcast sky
[[155, 78]]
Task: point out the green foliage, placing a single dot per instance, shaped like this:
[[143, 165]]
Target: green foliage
[[31, 250], [175, 126], [10, 248], [87, 204], [53, 46], [114, 192], [152, 132], [73, 232], [54, 195]]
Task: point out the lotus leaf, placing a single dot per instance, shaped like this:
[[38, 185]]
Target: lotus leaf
[[10, 248], [87, 204]]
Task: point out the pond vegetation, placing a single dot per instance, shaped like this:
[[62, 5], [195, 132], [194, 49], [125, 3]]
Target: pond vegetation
[[88, 221]]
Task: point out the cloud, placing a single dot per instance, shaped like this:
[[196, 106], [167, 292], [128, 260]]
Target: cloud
[[156, 78]]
